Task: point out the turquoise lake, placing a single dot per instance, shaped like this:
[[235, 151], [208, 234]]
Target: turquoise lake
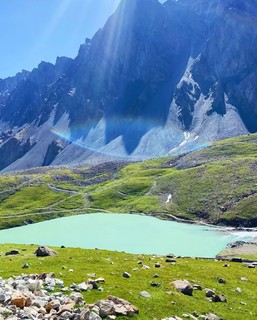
[[125, 232]]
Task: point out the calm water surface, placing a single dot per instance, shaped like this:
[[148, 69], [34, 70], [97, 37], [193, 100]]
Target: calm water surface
[[125, 232]]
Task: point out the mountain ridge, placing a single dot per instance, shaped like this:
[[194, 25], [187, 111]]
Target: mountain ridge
[[156, 79]]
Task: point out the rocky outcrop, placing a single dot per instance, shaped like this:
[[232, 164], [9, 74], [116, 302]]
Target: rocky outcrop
[[43, 251]]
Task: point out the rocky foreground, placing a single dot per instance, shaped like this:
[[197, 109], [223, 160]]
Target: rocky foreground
[[28, 297], [43, 296]]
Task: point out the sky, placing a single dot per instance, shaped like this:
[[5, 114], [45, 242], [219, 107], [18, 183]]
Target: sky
[[40, 30]]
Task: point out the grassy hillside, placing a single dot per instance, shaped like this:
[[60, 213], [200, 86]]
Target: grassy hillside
[[217, 184], [165, 301]]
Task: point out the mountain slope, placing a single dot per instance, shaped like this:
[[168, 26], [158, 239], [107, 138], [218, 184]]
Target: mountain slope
[[217, 185], [156, 79]]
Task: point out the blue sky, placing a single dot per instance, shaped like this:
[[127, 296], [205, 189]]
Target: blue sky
[[40, 30]]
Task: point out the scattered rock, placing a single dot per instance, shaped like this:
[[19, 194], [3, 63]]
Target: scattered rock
[[170, 260], [183, 286], [106, 308], [156, 275], [83, 286], [115, 306], [197, 287], [226, 265], [251, 266], [209, 293], [12, 252], [244, 279], [212, 316], [145, 294], [155, 284], [157, 265], [221, 280], [126, 275], [219, 298], [170, 255], [145, 267], [43, 251]]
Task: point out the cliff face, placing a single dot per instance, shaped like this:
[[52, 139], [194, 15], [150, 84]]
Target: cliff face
[[156, 79]]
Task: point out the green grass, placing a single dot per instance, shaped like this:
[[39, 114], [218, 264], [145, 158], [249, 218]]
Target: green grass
[[165, 301], [35, 197], [217, 184]]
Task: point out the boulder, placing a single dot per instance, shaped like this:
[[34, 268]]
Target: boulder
[[43, 251], [219, 298], [106, 307], [184, 287], [12, 252], [209, 293], [86, 314], [82, 286]]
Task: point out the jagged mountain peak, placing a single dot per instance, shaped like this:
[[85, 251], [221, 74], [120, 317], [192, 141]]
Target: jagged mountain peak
[[155, 79]]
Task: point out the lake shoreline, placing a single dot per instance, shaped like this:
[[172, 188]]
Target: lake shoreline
[[170, 217]]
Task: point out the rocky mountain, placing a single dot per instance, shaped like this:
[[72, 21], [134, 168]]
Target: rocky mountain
[[156, 79]]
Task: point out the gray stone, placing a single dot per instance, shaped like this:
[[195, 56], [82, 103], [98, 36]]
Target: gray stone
[[212, 316], [106, 307], [12, 252], [197, 287], [126, 275], [209, 293], [183, 286], [82, 286], [155, 284], [244, 279], [219, 298], [221, 280], [170, 260], [145, 294], [43, 251]]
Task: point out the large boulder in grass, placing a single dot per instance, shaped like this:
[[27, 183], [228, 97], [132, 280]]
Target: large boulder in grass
[[43, 251], [183, 286]]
